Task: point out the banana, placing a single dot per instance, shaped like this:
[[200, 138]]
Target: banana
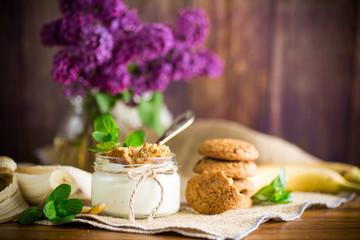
[[348, 171], [37, 186], [82, 178], [95, 209], [304, 177], [12, 202]]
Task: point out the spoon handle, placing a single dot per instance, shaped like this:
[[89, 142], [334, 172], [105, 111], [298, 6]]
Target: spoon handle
[[179, 124]]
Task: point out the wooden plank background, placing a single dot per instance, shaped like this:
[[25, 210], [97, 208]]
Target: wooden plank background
[[292, 70]]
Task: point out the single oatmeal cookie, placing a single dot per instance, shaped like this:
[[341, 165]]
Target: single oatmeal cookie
[[228, 149], [214, 193], [244, 186], [232, 169]]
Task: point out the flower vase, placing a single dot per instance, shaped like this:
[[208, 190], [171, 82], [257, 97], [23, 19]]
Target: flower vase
[[74, 136]]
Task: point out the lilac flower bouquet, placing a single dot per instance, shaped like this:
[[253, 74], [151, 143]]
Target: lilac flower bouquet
[[110, 54]]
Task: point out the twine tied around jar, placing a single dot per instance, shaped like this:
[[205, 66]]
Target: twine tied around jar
[[139, 175]]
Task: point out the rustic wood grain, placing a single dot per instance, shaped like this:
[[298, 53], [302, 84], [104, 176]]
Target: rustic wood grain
[[312, 75], [354, 126], [292, 70], [319, 223]]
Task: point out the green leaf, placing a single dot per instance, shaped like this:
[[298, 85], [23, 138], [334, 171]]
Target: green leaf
[[60, 212], [65, 219], [125, 95], [106, 125], [60, 193], [70, 206], [107, 146], [275, 191], [135, 139], [30, 215], [95, 149], [132, 68], [49, 210], [101, 137], [105, 101], [149, 112]]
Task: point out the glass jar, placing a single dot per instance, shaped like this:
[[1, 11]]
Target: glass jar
[[114, 183]]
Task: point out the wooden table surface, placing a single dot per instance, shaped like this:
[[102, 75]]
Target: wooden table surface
[[318, 223]]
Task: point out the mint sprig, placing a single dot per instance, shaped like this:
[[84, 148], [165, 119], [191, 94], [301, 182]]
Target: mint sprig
[[275, 191], [106, 133], [58, 208]]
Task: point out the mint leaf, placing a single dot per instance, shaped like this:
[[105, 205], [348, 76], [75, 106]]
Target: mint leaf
[[275, 191], [60, 193], [106, 125], [95, 149], [149, 112], [49, 210], [105, 101], [57, 209], [135, 139], [107, 146], [30, 215], [65, 219], [101, 137], [70, 206]]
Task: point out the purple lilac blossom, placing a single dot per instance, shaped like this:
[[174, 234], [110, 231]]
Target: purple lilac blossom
[[212, 64], [123, 26], [66, 66], [73, 6], [108, 9], [154, 76], [152, 41], [111, 78], [72, 27], [102, 37], [96, 46], [188, 64], [191, 28]]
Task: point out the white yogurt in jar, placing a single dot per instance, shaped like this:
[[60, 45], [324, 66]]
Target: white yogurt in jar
[[113, 187]]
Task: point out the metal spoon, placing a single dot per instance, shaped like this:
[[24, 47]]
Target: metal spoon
[[179, 124]]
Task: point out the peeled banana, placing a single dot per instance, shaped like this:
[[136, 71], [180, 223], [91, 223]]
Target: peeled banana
[[79, 180], [12, 202], [304, 177], [36, 187]]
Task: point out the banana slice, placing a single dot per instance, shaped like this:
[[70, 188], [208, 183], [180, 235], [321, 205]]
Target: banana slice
[[37, 186], [12, 202]]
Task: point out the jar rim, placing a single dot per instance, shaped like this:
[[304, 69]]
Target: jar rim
[[121, 161]]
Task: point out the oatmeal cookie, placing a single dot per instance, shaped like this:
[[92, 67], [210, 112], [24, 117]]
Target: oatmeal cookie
[[214, 193], [228, 149], [232, 169], [244, 186]]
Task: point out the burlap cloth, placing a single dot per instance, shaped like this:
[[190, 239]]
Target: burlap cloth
[[234, 223]]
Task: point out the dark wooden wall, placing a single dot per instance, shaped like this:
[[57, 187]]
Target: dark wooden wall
[[292, 70]]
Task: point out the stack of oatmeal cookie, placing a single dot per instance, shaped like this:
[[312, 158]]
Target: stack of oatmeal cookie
[[221, 183]]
